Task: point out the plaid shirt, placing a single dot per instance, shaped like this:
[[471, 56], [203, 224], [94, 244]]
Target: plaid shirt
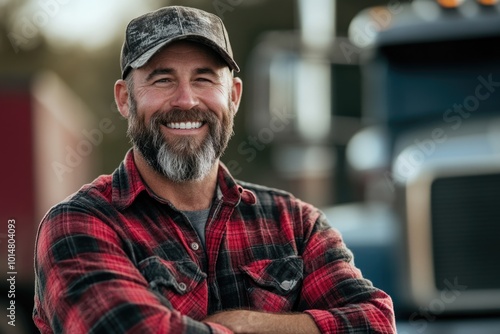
[[115, 258]]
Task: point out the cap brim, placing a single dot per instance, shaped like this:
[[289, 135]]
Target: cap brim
[[146, 56]]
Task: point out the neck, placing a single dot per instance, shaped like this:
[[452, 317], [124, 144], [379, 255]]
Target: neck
[[184, 196]]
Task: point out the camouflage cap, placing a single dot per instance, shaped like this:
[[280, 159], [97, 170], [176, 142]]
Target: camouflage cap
[[147, 34]]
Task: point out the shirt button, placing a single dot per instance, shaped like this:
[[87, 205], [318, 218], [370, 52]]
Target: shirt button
[[288, 285], [182, 286], [195, 246]]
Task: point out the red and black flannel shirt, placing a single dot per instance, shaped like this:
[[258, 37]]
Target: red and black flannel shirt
[[115, 258]]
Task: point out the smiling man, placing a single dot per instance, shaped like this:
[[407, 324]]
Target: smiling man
[[170, 242]]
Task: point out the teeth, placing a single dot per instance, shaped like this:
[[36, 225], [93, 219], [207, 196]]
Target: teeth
[[185, 125]]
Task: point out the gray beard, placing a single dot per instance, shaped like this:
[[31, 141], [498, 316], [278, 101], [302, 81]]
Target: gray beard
[[181, 167], [179, 160]]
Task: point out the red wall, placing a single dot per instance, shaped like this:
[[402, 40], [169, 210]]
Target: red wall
[[17, 177]]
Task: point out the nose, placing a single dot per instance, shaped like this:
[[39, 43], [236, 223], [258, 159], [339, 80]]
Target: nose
[[184, 97]]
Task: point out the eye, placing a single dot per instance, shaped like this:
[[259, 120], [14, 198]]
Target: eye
[[162, 80], [203, 79]]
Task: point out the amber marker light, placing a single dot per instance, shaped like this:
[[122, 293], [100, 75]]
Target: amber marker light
[[450, 3], [488, 2]]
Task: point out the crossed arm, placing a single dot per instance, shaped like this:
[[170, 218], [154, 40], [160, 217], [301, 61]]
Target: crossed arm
[[250, 322], [86, 282]]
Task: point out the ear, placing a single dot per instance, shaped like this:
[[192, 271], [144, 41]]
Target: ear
[[122, 97], [236, 92]]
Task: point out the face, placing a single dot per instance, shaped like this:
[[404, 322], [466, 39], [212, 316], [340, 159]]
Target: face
[[181, 106]]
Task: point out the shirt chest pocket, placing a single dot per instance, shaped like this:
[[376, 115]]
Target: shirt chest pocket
[[180, 285], [273, 285]]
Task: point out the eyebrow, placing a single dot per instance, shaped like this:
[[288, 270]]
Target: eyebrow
[[206, 70], [160, 71]]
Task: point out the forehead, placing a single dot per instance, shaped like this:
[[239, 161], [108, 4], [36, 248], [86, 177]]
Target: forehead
[[185, 53]]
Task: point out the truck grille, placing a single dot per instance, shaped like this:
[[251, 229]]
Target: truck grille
[[465, 213]]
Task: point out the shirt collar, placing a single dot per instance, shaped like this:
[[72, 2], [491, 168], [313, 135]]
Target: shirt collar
[[230, 191], [128, 184]]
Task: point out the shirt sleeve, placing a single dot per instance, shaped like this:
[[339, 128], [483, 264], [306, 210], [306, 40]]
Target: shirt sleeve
[[334, 293], [87, 283]]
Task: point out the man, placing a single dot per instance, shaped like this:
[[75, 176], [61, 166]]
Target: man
[[170, 242]]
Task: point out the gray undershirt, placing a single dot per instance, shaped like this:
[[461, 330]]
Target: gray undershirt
[[198, 220]]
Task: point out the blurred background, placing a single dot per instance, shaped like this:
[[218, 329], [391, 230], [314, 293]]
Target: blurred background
[[385, 114]]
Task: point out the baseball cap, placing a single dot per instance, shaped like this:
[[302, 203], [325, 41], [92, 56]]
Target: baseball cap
[[148, 33]]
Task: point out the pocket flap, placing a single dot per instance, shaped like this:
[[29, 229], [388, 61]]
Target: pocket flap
[[182, 276], [281, 274]]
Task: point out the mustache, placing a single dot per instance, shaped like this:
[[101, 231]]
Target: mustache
[[181, 115]]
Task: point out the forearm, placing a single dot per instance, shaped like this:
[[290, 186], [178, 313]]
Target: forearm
[[252, 322]]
